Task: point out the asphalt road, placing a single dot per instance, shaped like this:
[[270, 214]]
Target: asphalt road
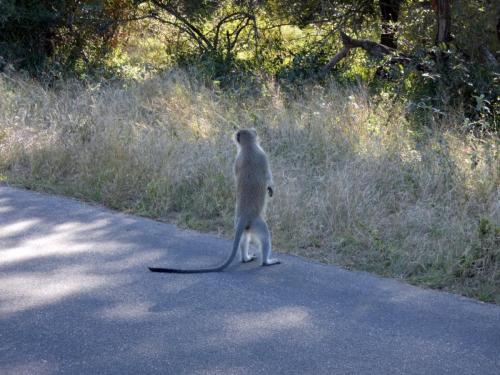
[[76, 298]]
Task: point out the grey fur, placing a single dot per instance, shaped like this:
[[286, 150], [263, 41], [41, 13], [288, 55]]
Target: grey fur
[[253, 182]]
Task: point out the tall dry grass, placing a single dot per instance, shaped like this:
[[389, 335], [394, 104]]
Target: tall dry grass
[[356, 184]]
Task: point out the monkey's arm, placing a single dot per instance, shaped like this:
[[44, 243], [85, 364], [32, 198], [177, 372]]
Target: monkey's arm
[[270, 183]]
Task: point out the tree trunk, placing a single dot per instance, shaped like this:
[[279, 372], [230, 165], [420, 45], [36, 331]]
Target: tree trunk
[[443, 12], [443, 35], [498, 29], [389, 14]]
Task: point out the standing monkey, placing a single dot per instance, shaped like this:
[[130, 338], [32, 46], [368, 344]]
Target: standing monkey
[[253, 182]]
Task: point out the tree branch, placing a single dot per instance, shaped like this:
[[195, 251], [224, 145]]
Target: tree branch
[[182, 28], [335, 59], [230, 17], [172, 11], [374, 49]]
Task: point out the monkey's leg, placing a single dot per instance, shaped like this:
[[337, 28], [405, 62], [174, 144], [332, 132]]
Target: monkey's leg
[[245, 257], [259, 227]]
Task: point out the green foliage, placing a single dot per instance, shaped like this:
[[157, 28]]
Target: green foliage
[[436, 80], [54, 35], [302, 13], [305, 65], [232, 42], [26, 31]]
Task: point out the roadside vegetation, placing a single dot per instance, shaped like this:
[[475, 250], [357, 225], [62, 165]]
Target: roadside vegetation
[[388, 164]]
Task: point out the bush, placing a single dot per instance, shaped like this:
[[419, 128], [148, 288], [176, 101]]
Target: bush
[[52, 36]]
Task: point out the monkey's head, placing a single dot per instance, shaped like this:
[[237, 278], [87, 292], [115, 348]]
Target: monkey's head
[[245, 137]]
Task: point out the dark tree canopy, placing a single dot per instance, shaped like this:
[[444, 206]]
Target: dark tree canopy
[[33, 31]]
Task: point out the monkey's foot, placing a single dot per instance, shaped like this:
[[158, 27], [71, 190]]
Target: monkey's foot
[[271, 262], [249, 258]]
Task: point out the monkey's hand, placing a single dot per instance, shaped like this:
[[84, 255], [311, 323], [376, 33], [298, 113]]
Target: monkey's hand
[[270, 191]]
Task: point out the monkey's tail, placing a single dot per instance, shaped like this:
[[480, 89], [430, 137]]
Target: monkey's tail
[[240, 227]]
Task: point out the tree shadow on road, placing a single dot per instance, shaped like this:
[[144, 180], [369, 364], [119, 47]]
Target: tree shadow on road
[[76, 297]]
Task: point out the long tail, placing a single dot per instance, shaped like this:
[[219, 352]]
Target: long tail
[[240, 227]]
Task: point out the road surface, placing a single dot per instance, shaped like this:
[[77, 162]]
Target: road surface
[[76, 298]]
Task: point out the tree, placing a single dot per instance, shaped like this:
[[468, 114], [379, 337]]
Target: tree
[[443, 15], [189, 17], [66, 31], [389, 14]]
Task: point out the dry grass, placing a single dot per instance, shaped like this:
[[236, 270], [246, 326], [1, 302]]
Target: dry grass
[[355, 185]]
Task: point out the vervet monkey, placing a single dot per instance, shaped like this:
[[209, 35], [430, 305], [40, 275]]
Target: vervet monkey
[[253, 182]]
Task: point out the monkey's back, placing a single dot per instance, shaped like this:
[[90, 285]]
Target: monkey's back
[[251, 170]]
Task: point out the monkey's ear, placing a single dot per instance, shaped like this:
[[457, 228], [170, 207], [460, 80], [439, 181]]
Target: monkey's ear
[[237, 137]]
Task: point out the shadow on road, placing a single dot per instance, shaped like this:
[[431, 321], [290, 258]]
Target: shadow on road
[[76, 298]]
